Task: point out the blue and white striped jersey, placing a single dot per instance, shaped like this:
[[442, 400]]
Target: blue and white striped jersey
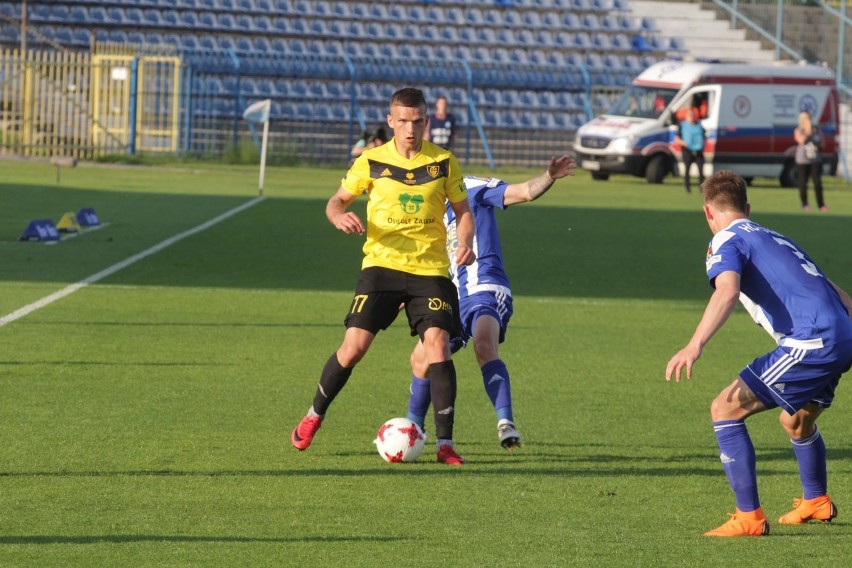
[[487, 274], [780, 286]]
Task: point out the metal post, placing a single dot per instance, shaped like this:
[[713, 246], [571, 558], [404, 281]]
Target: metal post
[[841, 42], [779, 26], [24, 29], [237, 103], [734, 12], [131, 126]]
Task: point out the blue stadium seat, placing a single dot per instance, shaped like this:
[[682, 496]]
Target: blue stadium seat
[[371, 49], [547, 100], [649, 25], [336, 90], [120, 16], [59, 13], [424, 51], [556, 59], [531, 19], [151, 18], [593, 61], [340, 10], [356, 30], [226, 22], [397, 13], [244, 44], [154, 38], [676, 44], [582, 40], [620, 42], [410, 32], [169, 18], [564, 39], [430, 33], [416, 14], [630, 24], [229, 5], [38, 13], [333, 47], [171, 39], [512, 18], [244, 23], [571, 21], [519, 57], [245, 5], [206, 4], [281, 88], [130, 37], [227, 42], [207, 21], [505, 36], [509, 98], [78, 14], [492, 17], [528, 119], [590, 22], [474, 17], [509, 119], [378, 11], [537, 57], [267, 6], [546, 121], [97, 15], [263, 24], [601, 41], [455, 16], [581, 5], [527, 38], [541, 38], [207, 42], [612, 61], [189, 42], [529, 99], [449, 34], [500, 55], [360, 10], [435, 14], [574, 59], [188, 20]]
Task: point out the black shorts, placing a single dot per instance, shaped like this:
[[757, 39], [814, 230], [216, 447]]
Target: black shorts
[[430, 301]]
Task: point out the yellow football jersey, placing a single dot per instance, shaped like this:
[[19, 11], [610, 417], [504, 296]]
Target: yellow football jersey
[[405, 212]]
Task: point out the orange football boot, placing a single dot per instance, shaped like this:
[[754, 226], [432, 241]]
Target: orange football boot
[[820, 508], [752, 523]]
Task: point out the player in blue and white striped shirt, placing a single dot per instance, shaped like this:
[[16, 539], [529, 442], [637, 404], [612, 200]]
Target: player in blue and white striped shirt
[[807, 315], [485, 298]]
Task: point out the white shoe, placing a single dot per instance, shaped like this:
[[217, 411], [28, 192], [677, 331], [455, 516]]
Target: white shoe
[[509, 437]]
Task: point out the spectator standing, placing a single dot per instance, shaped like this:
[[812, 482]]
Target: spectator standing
[[691, 140], [808, 160], [442, 125]]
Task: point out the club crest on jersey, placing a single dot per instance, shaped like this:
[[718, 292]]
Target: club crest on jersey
[[410, 203], [433, 171]]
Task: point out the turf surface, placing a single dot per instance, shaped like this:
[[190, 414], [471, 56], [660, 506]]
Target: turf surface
[[146, 417]]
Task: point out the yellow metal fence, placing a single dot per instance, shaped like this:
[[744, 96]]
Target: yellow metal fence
[[74, 104]]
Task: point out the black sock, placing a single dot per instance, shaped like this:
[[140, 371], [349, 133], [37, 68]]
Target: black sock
[[332, 381], [443, 377]]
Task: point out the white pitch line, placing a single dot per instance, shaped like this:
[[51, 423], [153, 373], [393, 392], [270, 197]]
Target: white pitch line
[[70, 289]]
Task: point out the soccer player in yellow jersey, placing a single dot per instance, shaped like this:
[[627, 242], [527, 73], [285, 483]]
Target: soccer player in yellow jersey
[[409, 181]]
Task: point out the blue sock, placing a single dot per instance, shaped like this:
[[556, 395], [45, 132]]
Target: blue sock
[[738, 459], [810, 453], [421, 398], [495, 377]]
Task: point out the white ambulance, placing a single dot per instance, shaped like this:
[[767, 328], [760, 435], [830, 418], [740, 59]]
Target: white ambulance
[[748, 111]]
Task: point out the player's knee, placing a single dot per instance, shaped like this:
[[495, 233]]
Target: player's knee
[[723, 409], [350, 355], [796, 426]]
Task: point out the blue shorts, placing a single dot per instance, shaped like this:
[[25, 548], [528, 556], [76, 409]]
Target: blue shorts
[[790, 377], [495, 304]]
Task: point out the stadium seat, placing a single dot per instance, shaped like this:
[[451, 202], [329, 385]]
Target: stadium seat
[[582, 41], [513, 19], [449, 34], [620, 42], [416, 14], [473, 17], [206, 20], [262, 24], [537, 40], [38, 13], [581, 5], [601, 41], [378, 11], [360, 10], [244, 44], [528, 119], [590, 22], [151, 18], [226, 22], [435, 15], [571, 21], [188, 20], [340, 10], [189, 42], [537, 57], [424, 51], [488, 36], [97, 15], [531, 19], [556, 59], [519, 57], [78, 14], [564, 39], [505, 36], [58, 13], [207, 42], [455, 16], [153, 38], [527, 38]]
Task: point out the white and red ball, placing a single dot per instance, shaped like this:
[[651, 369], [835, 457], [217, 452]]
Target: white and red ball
[[400, 440]]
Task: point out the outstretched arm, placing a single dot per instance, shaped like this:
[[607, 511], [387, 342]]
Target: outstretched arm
[[465, 230], [534, 188], [335, 211], [718, 310]]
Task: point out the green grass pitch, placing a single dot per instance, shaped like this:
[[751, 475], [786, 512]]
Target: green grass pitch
[[145, 418]]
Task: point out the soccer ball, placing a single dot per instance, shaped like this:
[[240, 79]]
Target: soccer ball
[[400, 440]]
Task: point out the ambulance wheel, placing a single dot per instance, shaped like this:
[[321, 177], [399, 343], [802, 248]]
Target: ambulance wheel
[[600, 176], [789, 176], [657, 169]]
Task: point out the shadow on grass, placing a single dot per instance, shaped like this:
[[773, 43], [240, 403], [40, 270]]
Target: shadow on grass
[[288, 244], [132, 538]]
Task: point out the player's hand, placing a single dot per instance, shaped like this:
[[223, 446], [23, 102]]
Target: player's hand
[[465, 255], [560, 167], [684, 358], [349, 223]]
